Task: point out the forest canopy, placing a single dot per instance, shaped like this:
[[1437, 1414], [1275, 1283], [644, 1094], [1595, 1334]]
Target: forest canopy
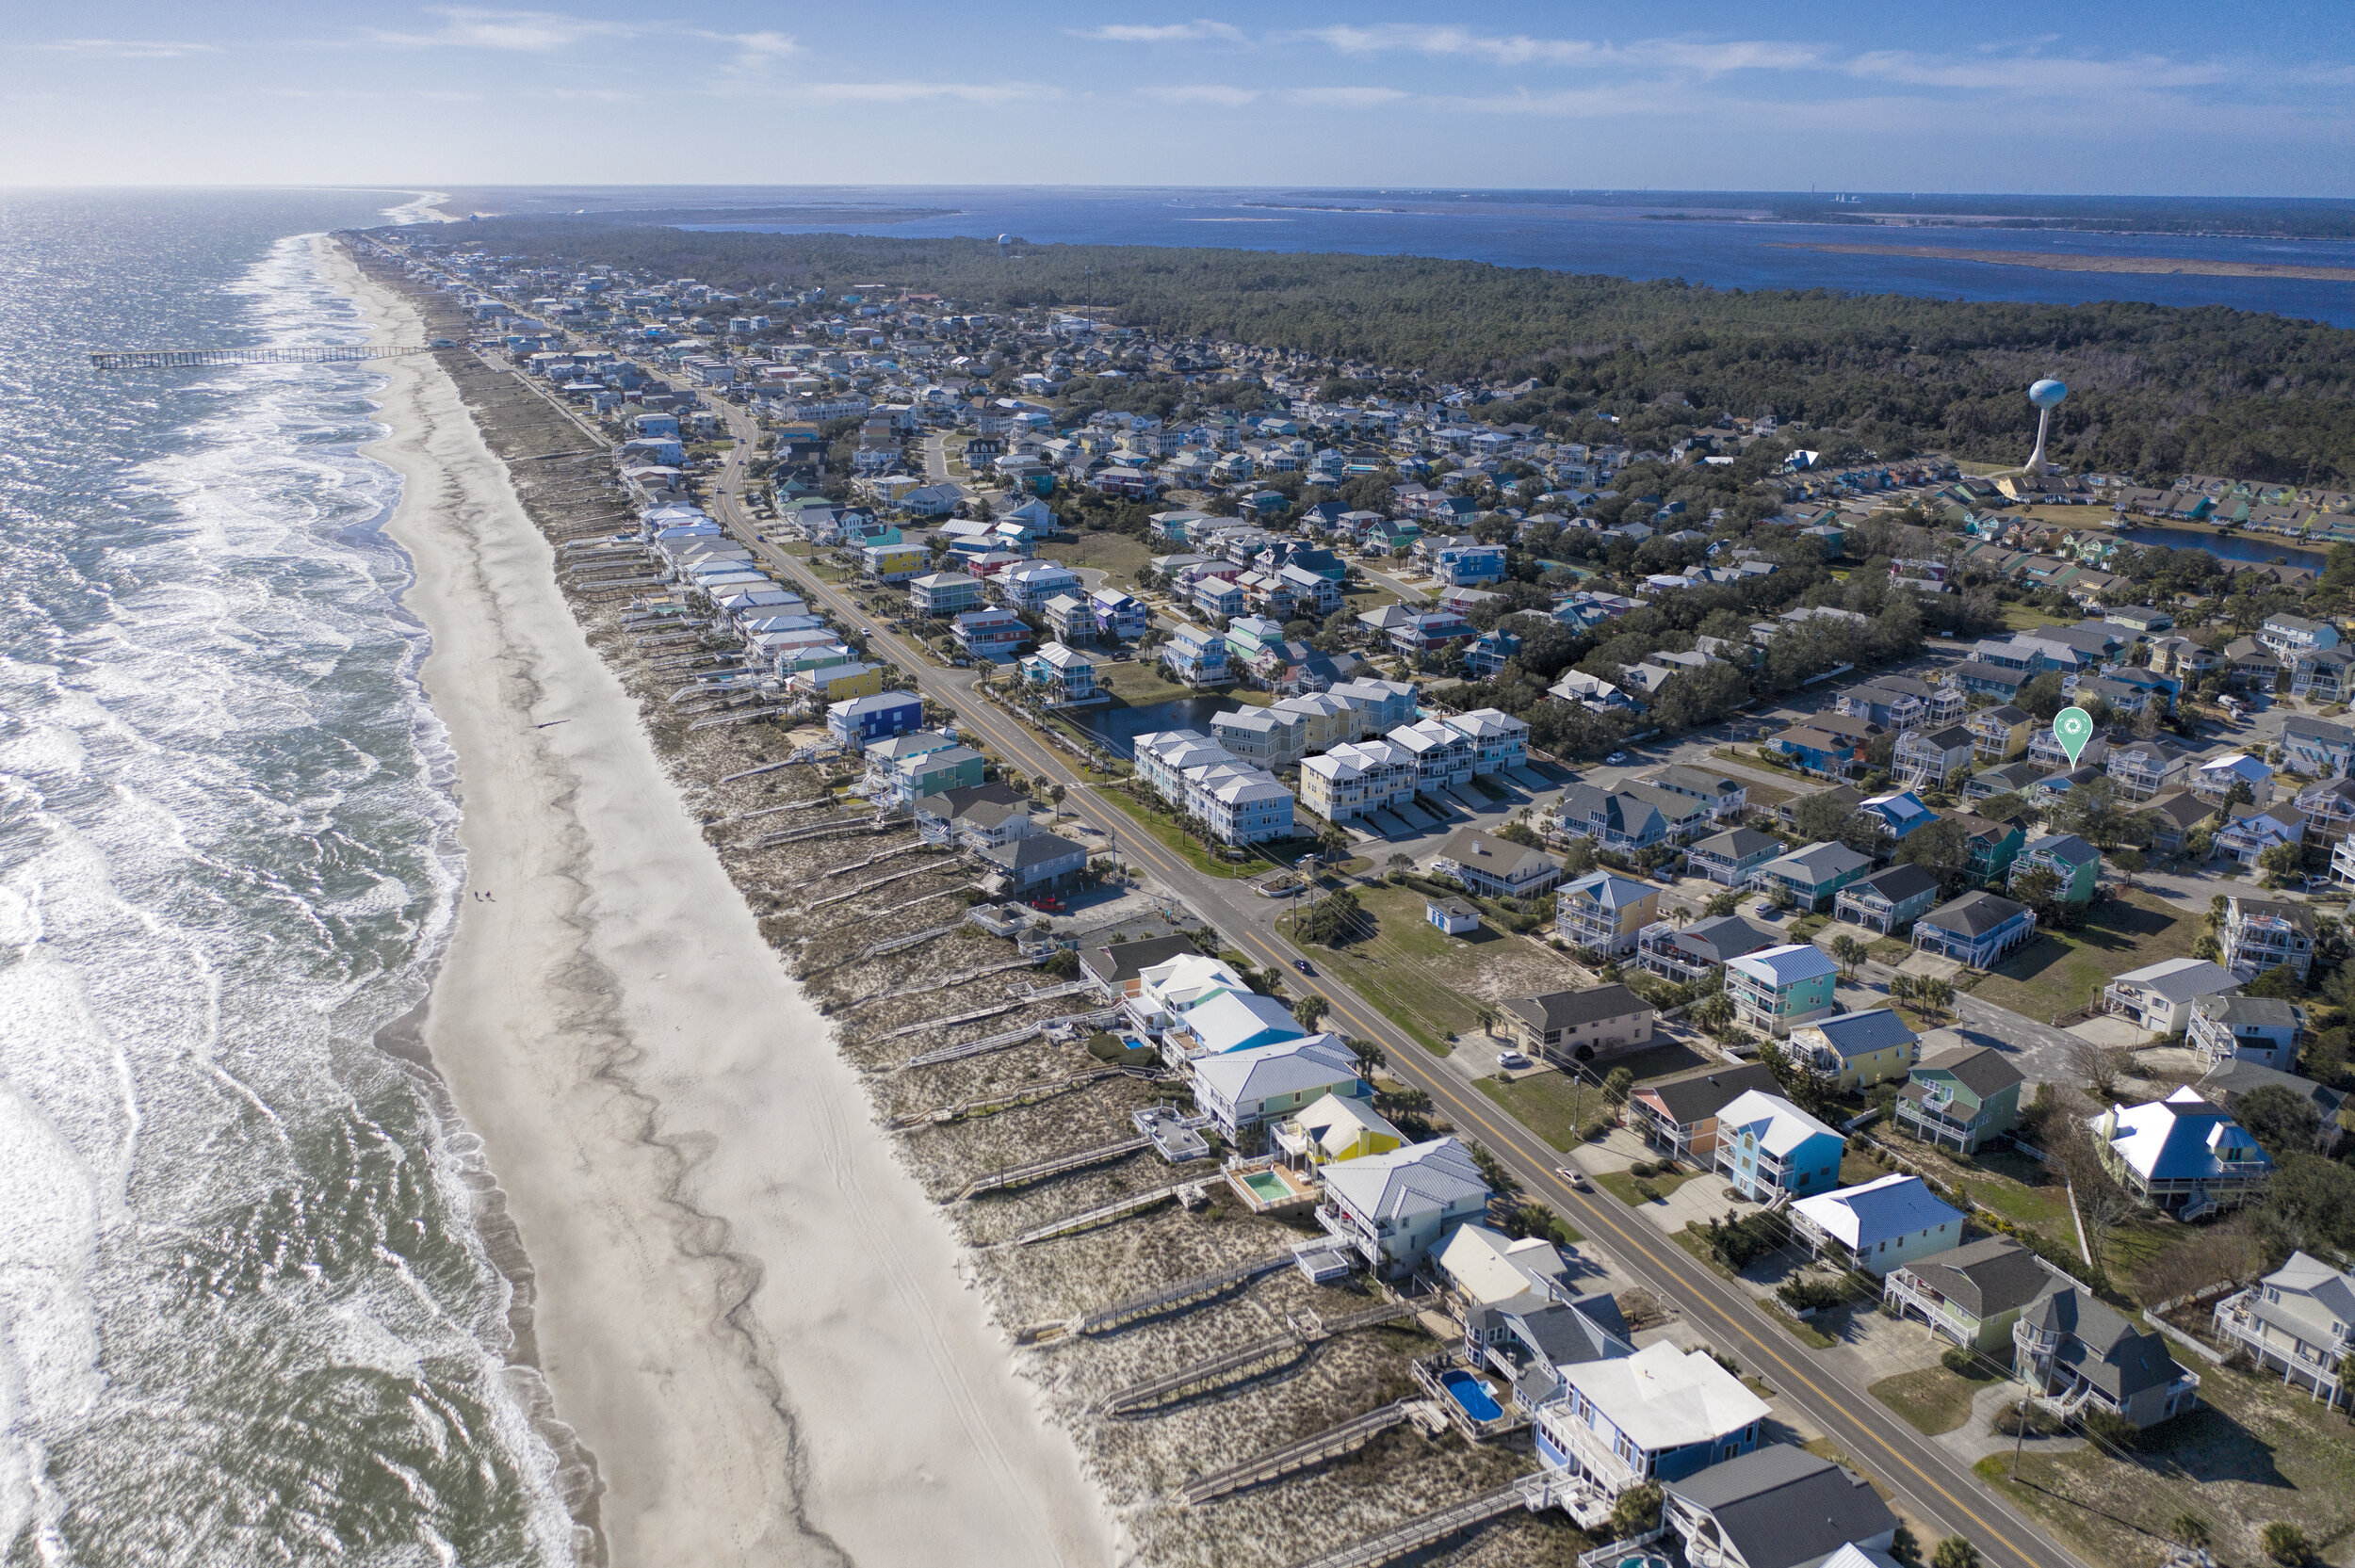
[[2155, 390]]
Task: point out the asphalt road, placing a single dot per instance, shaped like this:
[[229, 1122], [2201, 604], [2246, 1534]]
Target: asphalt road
[[1934, 1486]]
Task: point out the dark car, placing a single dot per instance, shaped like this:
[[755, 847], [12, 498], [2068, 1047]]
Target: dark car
[[1302, 964]]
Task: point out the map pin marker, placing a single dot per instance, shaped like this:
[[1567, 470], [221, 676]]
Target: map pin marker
[[2072, 728]]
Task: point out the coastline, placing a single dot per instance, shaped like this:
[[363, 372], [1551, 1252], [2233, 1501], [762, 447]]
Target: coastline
[[2189, 267], [748, 1311]]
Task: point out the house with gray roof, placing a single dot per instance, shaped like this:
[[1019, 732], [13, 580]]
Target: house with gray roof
[[2262, 1030], [2078, 1353], [1687, 954], [2300, 1318], [1033, 863], [1495, 868], [1977, 930], [1815, 874], [1245, 1091], [1887, 902], [2334, 1112], [1974, 1293], [1775, 1507], [1597, 1020], [2158, 996], [1959, 1097], [1392, 1209], [1730, 857]]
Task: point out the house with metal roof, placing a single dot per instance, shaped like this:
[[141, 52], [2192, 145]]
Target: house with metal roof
[[1775, 988], [2077, 1353], [1336, 1126], [1658, 1415], [2182, 1155], [1856, 1050], [2302, 1318], [1879, 1225], [1977, 930], [1887, 902], [1768, 1147], [1776, 1506], [1232, 1020], [1679, 1116], [1483, 1266], [1604, 912], [2159, 996], [1245, 1091], [1973, 1293], [1392, 1209], [1495, 868], [1814, 875]]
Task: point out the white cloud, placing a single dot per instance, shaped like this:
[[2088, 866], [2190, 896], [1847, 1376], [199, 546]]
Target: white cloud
[[1446, 41], [1342, 97], [129, 49], [1201, 93], [1174, 32], [917, 92], [2038, 74]]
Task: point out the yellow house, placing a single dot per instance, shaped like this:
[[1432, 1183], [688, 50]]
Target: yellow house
[[1604, 911], [894, 563], [1335, 1128], [1999, 735], [1857, 1050], [839, 683]]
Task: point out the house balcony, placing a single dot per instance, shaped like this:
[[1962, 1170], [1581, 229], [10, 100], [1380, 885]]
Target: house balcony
[[1899, 1287]]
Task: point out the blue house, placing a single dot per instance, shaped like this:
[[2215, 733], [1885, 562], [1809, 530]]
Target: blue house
[[1468, 565], [861, 719], [1766, 1146], [1488, 651]]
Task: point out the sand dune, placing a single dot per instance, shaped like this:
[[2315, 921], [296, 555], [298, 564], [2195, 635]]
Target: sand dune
[[746, 1309]]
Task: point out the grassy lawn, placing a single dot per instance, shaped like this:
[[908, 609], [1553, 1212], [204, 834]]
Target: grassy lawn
[[1654, 1061], [1634, 1191], [1765, 794], [1117, 553], [1855, 1169], [2061, 971], [1888, 950], [2251, 1454], [2027, 618], [1418, 975], [1805, 1333], [1138, 683], [1547, 1104], [1932, 1401]]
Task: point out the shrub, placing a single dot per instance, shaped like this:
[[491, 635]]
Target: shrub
[[2109, 1427], [1955, 1552], [2009, 1420], [1959, 1362], [1801, 1294], [2286, 1542]]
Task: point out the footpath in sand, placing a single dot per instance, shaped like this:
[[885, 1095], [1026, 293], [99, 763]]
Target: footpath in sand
[[751, 1314]]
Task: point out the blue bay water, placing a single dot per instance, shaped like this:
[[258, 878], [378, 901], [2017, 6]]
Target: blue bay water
[[1723, 254], [246, 1317]]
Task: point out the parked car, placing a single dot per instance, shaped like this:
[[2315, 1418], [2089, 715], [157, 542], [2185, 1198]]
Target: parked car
[[1616, 758], [1513, 1061]]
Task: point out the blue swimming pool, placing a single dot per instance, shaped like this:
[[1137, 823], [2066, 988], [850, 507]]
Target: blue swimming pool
[[1473, 1394]]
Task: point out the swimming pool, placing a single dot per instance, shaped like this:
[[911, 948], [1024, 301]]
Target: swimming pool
[[1268, 1188], [1472, 1394]]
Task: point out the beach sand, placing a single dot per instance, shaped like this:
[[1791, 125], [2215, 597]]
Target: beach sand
[[746, 1309]]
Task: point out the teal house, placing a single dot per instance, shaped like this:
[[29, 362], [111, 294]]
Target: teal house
[[2077, 863]]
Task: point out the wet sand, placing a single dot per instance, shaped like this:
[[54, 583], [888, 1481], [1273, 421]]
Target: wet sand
[[748, 1311]]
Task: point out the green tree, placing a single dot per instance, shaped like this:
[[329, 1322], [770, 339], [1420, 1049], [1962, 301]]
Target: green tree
[[2280, 982], [1369, 1054], [1849, 952], [1335, 920], [1905, 1547], [1955, 1552], [1309, 1009], [2039, 889], [1616, 1083], [1638, 1509], [2309, 1205], [2130, 863], [1942, 848], [2285, 1544], [1714, 1014], [2278, 1118], [2188, 1528], [1824, 814], [1722, 904]]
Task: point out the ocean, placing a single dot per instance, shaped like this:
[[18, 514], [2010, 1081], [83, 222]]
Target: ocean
[[247, 1314], [1724, 254]]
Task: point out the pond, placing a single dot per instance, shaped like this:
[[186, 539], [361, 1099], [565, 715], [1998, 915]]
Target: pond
[[1118, 727], [2256, 549]]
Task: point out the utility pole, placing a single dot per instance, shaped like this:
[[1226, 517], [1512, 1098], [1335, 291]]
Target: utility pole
[[2018, 1436]]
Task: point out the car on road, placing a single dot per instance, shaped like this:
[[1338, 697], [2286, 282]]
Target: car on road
[[1513, 1061], [1302, 964], [1616, 758], [1575, 1177]]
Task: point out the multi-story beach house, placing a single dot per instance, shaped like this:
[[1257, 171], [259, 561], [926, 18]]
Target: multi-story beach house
[[1766, 1146], [1495, 868], [1998, 735], [2077, 1353], [2214, 780], [1974, 1293], [2142, 769], [1243, 1091], [2317, 748], [1729, 858], [1977, 930], [1686, 955], [1604, 912], [1658, 1415], [1775, 990], [1878, 1225], [1990, 847], [1960, 1098], [1376, 707], [1393, 1209], [1926, 759], [1064, 673], [2263, 934], [1633, 817], [1778, 1506], [1723, 797], [2076, 864], [1679, 1116], [862, 720], [1263, 735], [1499, 740], [2159, 996], [1578, 1024], [1443, 756], [1196, 655], [1887, 902], [1814, 875], [2300, 1318], [1856, 1050], [2231, 1027], [2182, 1155], [1356, 778]]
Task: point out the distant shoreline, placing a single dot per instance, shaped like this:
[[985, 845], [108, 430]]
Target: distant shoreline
[[2182, 266]]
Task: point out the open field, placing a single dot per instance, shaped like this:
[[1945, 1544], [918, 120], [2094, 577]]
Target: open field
[[1554, 1105], [2028, 617], [2251, 1454], [2063, 970], [1431, 984], [1636, 1191], [1932, 1401], [1122, 555], [1138, 683]]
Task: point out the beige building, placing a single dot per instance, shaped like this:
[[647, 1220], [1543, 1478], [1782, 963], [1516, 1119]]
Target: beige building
[[1578, 1023]]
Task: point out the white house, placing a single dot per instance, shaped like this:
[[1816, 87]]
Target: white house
[[2158, 996], [1394, 1209], [1879, 1225], [1658, 1415]]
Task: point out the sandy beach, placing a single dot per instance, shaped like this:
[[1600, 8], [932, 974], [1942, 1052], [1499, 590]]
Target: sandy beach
[[745, 1307]]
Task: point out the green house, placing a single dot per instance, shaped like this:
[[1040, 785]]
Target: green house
[[1972, 1294], [1960, 1098]]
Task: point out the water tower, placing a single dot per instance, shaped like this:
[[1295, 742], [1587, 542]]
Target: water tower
[[2046, 395]]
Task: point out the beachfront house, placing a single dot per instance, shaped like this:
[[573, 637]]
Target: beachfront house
[[1030, 864], [861, 719], [1336, 1127], [1166, 988], [1118, 968], [1232, 1021], [1658, 1415], [1392, 1209], [1960, 1097], [1878, 1225], [1766, 1146], [1244, 1091], [1779, 1506]]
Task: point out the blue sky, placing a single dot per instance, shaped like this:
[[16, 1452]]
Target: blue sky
[[2158, 97]]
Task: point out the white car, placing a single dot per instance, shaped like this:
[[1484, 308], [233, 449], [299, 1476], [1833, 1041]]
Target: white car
[[1513, 1061], [1614, 759], [1575, 1177]]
